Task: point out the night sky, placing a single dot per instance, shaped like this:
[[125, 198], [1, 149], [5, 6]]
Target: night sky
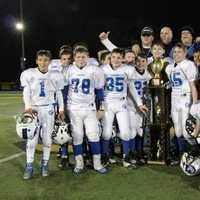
[[52, 23]]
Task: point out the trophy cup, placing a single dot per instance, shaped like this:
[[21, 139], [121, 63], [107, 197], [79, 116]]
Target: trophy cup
[[155, 68]]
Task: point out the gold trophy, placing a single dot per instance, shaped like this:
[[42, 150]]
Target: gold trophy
[[155, 68]]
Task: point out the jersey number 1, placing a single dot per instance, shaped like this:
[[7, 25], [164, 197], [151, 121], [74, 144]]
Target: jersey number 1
[[42, 93]]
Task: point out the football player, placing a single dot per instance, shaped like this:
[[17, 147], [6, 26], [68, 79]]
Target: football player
[[117, 78], [182, 76], [140, 81], [40, 87], [129, 57], [103, 57], [83, 81], [158, 53], [66, 56]]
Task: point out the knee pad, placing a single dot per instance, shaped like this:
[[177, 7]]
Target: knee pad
[[93, 137], [124, 136]]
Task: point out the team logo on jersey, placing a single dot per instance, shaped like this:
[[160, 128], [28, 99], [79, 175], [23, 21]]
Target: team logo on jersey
[[51, 112]]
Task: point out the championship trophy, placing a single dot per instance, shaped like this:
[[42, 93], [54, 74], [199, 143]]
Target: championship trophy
[[157, 122], [155, 69]]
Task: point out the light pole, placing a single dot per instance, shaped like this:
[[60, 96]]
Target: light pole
[[20, 27]]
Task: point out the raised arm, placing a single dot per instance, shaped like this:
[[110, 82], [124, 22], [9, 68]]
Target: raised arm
[[106, 42]]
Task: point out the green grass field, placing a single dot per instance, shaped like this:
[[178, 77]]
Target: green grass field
[[148, 182]]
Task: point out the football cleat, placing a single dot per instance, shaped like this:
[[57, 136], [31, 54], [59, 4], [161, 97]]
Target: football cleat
[[78, 170], [102, 170], [28, 172], [45, 170], [133, 159], [64, 163], [105, 160], [79, 164], [112, 160], [127, 164]]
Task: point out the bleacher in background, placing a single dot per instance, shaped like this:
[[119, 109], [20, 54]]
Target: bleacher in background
[[9, 86]]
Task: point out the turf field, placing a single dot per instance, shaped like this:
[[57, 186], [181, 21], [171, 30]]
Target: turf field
[[147, 182]]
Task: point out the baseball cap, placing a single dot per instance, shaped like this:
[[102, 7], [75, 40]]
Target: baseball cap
[[187, 28], [147, 31]]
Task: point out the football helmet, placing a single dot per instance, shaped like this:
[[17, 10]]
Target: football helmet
[[27, 125], [115, 135], [189, 127], [190, 124], [61, 133], [190, 164]]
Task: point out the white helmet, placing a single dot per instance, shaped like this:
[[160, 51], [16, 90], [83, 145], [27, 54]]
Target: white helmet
[[61, 133], [190, 164], [27, 125], [190, 126]]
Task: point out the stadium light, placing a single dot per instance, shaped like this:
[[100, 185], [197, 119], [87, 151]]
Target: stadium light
[[20, 27]]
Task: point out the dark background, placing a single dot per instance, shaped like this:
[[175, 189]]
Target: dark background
[[52, 23]]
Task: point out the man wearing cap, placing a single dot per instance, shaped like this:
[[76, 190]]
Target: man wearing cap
[[147, 37]]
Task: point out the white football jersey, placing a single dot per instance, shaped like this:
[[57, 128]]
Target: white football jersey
[[56, 65], [117, 81], [180, 76], [140, 81], [42, 86], [93, 61], [81, 86]]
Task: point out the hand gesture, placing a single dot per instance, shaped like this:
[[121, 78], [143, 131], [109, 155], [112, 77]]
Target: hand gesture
[[104, 35]]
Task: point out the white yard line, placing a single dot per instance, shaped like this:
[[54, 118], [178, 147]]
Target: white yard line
[[11, 157]]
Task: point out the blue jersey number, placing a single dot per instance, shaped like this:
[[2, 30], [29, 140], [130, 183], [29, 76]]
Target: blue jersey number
[[75, 83], [139, 86], [116, 83], [42, 92], [85, 85], [176, 79]]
